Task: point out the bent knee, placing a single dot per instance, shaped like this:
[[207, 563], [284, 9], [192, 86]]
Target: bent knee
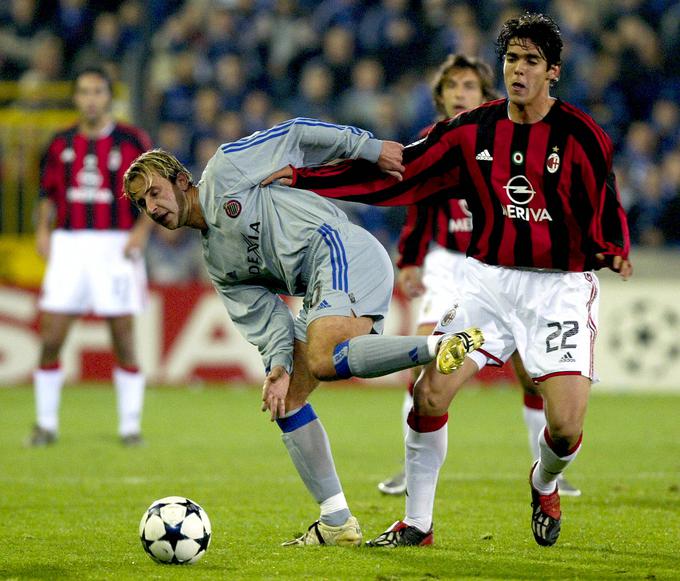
[[565, 434], [428, 402], [321, 366]]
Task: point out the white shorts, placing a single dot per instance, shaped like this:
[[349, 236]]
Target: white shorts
[[87, 272], [550, 318], [442, 273]]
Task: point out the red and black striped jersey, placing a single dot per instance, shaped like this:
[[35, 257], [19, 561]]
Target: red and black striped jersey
[[83, 176], [541, 195], [448, 223]]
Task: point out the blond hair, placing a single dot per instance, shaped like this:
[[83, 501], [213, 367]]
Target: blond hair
[[155, 161]]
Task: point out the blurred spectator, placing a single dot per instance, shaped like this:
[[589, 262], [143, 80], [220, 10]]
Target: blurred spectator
[[638, 153], [220, 34], [177, 101], [46, 65], [389, 31], [131, 15], [644, 216], [229, 127], [255, 112], [175, 256], [338, 55], [314, 97], [669, 221], [173, 137], [666, 123], [72, 23], [230, 79], [105, 44], [358, 103], [205, 148], [19, 29]]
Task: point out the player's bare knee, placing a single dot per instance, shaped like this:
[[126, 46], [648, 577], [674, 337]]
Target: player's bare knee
[[51, 348], [427, 402], [321, 366], [564, 434]]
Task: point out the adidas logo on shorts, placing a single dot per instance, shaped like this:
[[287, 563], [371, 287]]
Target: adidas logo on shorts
[[567, 358], [484, 156], [324, 304]]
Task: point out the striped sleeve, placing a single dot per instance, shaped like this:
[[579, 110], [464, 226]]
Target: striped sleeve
[[432, 167], [615, 236], [416, 235]]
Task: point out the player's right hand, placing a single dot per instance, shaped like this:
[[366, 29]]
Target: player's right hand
[[391, 156], [274, 392], [410, 282]]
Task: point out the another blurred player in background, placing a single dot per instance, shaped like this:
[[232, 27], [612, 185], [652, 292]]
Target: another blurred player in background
[[260, 242], [436, 236], [92, 239]]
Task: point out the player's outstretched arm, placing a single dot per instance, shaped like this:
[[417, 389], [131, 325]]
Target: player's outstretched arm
[[389, 162]]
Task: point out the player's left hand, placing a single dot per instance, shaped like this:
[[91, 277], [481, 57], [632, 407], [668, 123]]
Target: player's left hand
[[284, 176], [274, 392], [616, 263]]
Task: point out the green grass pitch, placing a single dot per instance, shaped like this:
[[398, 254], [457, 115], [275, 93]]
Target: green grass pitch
[[72, 511]]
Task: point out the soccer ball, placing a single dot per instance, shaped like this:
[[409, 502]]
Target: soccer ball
[[175, 530]]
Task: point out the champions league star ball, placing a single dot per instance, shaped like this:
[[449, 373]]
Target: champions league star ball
[[175, 530]]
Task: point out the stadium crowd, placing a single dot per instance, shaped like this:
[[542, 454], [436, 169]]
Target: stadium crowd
[[204, 72]]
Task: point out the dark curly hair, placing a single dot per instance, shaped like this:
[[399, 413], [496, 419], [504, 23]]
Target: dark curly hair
[[539, 29]]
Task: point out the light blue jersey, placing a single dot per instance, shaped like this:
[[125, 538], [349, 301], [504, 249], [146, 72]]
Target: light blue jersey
[[265, 241]]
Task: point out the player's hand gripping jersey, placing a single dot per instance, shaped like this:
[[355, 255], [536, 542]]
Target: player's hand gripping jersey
[[542, 195], [261, 240]]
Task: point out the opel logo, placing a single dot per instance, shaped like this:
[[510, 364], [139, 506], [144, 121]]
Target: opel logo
[[519, 190]]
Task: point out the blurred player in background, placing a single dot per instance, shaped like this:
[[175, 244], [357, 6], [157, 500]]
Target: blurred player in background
[[92, 239], [436, 236], [537, 176], [259, 242]]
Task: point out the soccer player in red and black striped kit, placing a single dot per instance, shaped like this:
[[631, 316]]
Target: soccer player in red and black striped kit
[[92, 238], [537, 176], [432, 249]]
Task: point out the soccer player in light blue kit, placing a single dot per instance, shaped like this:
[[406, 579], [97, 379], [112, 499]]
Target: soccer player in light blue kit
[[259, 242]]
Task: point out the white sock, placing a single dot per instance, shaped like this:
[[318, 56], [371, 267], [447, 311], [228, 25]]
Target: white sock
[[47, 384], [433, 345], [333, 504], [550, 466], [405, 409], [425, 454], [535, 422], [130, 397]]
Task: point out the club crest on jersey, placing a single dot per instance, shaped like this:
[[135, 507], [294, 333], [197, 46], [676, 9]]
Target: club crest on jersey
[[449, 316], [553, 163], [232, 208]]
